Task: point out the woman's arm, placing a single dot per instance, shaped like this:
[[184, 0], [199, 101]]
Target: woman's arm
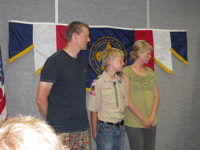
[[155, 103], [131, 106]]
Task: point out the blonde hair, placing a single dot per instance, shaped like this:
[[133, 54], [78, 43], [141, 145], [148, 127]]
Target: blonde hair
[[28, 133], [139, 46], [110, 53]]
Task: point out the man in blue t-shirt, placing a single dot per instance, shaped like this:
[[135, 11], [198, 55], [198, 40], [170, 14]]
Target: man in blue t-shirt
[[61, 93]]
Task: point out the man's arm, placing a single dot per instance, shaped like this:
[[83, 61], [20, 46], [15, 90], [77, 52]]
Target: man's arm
[[93, 119], [44, 89]]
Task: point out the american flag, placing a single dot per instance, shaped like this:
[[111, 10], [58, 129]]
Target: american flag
[[3, 111]]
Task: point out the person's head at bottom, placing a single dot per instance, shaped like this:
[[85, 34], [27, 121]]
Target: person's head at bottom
[[28, 133]]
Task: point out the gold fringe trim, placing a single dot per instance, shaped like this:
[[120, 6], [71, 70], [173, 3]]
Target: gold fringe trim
[[21, 54], [162, 66], [87, 89], [38, 71], [178, 56]]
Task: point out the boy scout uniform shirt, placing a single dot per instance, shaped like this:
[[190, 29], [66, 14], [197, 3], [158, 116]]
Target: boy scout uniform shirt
[[103, 100]]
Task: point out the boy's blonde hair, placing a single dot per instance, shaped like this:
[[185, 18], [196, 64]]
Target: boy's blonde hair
[[110, 53], [28, 133], [139, 46]]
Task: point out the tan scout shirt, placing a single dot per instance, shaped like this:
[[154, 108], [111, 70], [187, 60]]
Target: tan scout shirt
[[103, 100]]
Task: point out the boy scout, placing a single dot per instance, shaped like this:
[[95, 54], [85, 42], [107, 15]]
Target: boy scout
[[107, 101]]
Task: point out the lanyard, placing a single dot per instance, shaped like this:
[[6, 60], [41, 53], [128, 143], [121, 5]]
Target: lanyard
[[116, 96]]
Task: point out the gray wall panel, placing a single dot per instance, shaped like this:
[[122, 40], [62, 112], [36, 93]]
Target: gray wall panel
[[178, 111], [20, 80], [105, 12]]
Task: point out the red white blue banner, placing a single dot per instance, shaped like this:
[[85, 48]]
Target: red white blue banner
[[47, 38]]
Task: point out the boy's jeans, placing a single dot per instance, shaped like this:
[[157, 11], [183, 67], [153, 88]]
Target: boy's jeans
[[110, 137]]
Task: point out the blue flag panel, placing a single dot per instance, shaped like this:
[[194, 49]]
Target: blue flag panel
[[179, 44], [20, 39], [104, 38]]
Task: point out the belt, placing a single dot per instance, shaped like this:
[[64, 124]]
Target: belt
[[110, 123]]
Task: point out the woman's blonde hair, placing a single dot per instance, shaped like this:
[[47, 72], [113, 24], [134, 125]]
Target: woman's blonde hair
[[28, 133], [110, 53], [139, 46]]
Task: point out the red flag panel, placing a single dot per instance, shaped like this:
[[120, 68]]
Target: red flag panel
[[146, 35]]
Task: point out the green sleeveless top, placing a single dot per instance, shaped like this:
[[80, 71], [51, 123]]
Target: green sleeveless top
[[141, 93]]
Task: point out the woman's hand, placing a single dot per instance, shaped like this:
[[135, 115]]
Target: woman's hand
[[151, 118], [147, 123]]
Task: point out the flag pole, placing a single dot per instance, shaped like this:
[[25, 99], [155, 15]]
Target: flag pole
[[56, 11], [148, 19]]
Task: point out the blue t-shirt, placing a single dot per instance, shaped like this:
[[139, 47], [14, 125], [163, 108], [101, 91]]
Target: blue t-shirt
[[67, 99]]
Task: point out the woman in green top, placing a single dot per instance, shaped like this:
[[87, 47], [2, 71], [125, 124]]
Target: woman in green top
[[143, 98]]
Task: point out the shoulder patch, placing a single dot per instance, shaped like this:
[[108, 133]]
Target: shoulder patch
[[92, 93], [94, 83], [93, 88]]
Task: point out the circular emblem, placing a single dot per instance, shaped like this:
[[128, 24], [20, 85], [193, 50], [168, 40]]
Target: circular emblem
[[92, 88], [95, 56]]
